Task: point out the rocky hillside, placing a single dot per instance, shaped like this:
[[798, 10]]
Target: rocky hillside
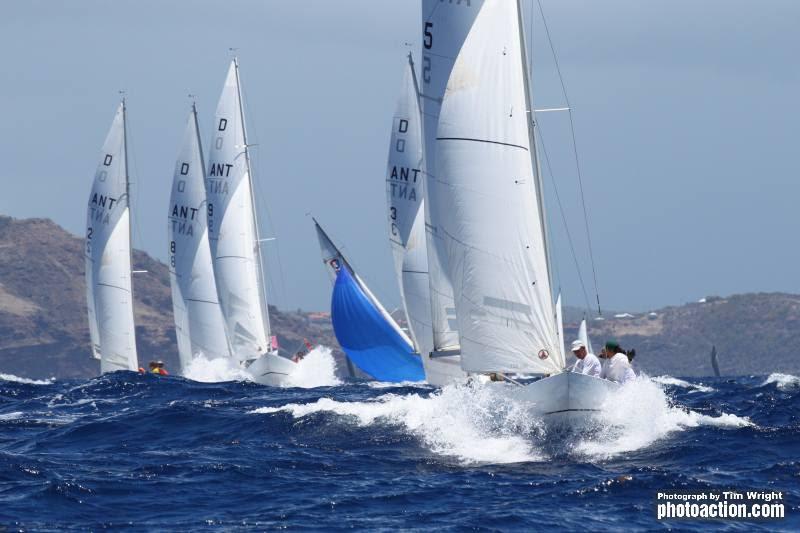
[[754, 334], [44, 328]]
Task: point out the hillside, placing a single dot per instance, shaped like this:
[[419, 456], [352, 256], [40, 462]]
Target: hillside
[[44, 328]]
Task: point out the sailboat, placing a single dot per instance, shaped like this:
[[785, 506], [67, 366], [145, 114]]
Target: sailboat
[[405, 192], [487, 195], [367, 333], [109, 293], [233, 234], [199, 324], [715, 361]]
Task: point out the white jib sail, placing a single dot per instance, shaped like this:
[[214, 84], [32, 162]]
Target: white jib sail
[[445, 26], [199, 326], [109, 292], [560, 323], [491, 223], [232, 228], [583, 336], [405, 192]]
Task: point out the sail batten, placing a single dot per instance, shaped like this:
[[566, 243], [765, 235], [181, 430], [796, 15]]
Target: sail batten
[[107, 255], [491, 220], [232, 228], [199, 324]]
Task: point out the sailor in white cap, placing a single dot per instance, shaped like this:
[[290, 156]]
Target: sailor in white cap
[[587, 363]]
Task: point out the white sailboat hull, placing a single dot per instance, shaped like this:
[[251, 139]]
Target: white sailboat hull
[[566, 398], [272, 369]]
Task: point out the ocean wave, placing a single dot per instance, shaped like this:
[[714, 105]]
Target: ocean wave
[[639, 414], [782, 381], [17, 379], [471, 423], [675, 382]]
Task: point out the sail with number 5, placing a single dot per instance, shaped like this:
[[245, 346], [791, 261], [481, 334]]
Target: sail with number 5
[[492, 218], [199, 326], [445, 26], [233, 229], [109, 293]]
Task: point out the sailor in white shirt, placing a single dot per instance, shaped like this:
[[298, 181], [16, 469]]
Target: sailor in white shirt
[[616, 366], [587, 363]]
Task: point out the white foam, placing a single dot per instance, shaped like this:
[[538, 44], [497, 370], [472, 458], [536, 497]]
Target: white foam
[[11, 416], [215, 370], [317, 369], [393, 385], [675, 382], [17, 379], [639, 414], [474, 424], [783, 381]]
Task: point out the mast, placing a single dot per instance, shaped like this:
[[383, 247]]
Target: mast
[[539, 187], [130, 212], [257, 243]]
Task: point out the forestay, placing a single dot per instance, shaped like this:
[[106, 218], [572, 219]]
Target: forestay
[[199, 326], [445, 25], [491, 222], [405, 192], [232, 229], [109, 292]]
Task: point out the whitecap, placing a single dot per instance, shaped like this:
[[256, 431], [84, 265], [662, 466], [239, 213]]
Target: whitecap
[[316, 369], [675, 382], [782, 381], [475, 424], [17, 379], [639, 414]]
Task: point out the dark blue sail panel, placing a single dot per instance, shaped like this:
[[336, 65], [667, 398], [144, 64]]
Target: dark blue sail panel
[[367, 338]]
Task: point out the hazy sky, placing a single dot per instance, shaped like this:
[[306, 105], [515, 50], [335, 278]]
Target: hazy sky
[[686, 116]]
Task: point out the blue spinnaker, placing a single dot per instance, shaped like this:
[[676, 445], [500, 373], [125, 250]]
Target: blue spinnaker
[[367, 338]]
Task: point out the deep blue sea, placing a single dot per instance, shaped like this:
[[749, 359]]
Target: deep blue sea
[[151, 453]]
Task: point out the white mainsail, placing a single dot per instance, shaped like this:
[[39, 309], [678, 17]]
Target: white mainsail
[[560, 322], [492, 221], [109, 292], [405, 193], [445, 26], [233, 229], [199, 325]]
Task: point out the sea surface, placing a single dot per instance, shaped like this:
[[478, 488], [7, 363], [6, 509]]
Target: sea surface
[[150, 453]]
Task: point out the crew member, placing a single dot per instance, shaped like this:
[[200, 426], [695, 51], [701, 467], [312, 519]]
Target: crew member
[[587, 363], [617, 367], [157, 367]]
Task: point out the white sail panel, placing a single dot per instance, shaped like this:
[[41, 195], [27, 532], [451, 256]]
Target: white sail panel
[[199, 325], [108, 256], [445, 26], [490, 222], [405, 189], [232, 231], [583, 336], [560, 323]]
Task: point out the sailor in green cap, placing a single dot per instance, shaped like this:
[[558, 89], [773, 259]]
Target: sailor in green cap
[[616, 366]]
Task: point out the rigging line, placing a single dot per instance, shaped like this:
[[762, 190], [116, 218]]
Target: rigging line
[[260, 199], [575, 152], [563, 218]]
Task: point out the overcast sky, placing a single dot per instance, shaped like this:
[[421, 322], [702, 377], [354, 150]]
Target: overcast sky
[[686, 117]]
